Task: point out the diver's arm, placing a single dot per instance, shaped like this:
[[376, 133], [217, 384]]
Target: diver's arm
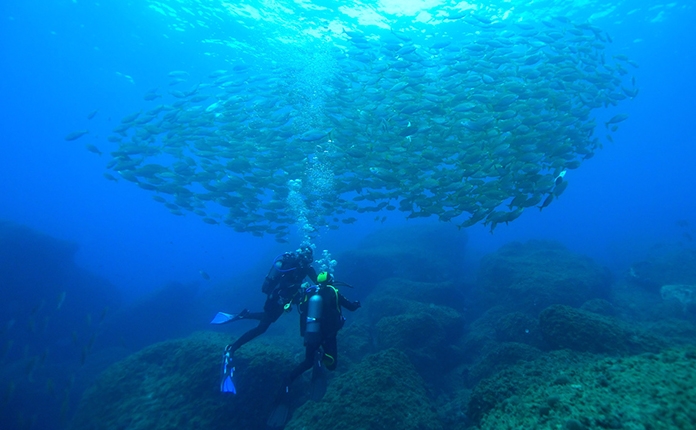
[[351, 306]]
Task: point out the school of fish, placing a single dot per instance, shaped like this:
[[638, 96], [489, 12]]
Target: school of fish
[[471, 130]]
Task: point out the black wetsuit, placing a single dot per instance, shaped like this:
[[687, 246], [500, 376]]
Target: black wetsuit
[[331, 322], [282, 286]]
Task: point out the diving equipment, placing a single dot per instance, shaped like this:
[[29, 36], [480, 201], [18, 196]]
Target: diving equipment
[[313, 333], [227, 384]]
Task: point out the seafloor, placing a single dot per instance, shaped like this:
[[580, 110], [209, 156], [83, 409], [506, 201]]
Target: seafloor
[[535, 337]]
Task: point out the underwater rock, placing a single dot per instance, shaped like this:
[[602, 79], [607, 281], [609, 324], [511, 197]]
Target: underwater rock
[[518, 327], [168, 312], [665, 264], [482, 335], [383, 391], [675, 330], [566, 327], [445, 293], [505, 355], [51, 316], [599, 306], [684, 295], [649, 391], [426, 333], [355, 341], [427, 327], [505, 386], [528, 277], [44, 293], [422, 253], [175, 384]]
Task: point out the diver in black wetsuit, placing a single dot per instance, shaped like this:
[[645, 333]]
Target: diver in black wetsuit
[[320, 320], [282, 287]]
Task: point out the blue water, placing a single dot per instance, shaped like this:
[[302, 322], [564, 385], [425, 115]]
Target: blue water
[[63, 59]]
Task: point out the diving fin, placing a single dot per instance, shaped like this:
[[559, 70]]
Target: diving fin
[[222, 317], [279, 415], [227, 384], [318, 384]]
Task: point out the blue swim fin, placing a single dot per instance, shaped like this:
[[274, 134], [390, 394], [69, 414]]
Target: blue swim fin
[[227, 384], [222, 318]]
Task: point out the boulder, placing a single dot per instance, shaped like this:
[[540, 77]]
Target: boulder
[[175, 384], [648, 391], [528, 277], [426, 333], [664, 264], [424, 253], [518, 327], [566, 327], [599, 306], [505, 386], [503, 356], [383, 391]]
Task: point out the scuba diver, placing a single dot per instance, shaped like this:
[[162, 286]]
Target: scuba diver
[[320, 320], [282, 287]]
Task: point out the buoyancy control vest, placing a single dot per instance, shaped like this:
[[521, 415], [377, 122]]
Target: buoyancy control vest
[[284, 270]]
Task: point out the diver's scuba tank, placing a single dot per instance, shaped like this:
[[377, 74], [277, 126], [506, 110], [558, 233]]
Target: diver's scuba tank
[[312, 333], [274, 274]]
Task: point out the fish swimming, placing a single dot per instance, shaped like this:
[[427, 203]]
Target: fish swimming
[[616, 119], [76, 135]]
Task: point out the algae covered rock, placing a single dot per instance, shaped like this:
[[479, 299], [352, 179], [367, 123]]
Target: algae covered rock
[[682, 295], [424, 327], [665, 264], [599, 306], [426, 334], [175, 384], [383, 391], [518, 327], [504, 355], [424, 253], [482, 334], [528, 277], [565, 327], [505, 386], [446, 293], [649, 391]]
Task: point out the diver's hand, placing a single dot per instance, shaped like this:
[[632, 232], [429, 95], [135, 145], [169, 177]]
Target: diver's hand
[[228, 349], [357, 304]]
